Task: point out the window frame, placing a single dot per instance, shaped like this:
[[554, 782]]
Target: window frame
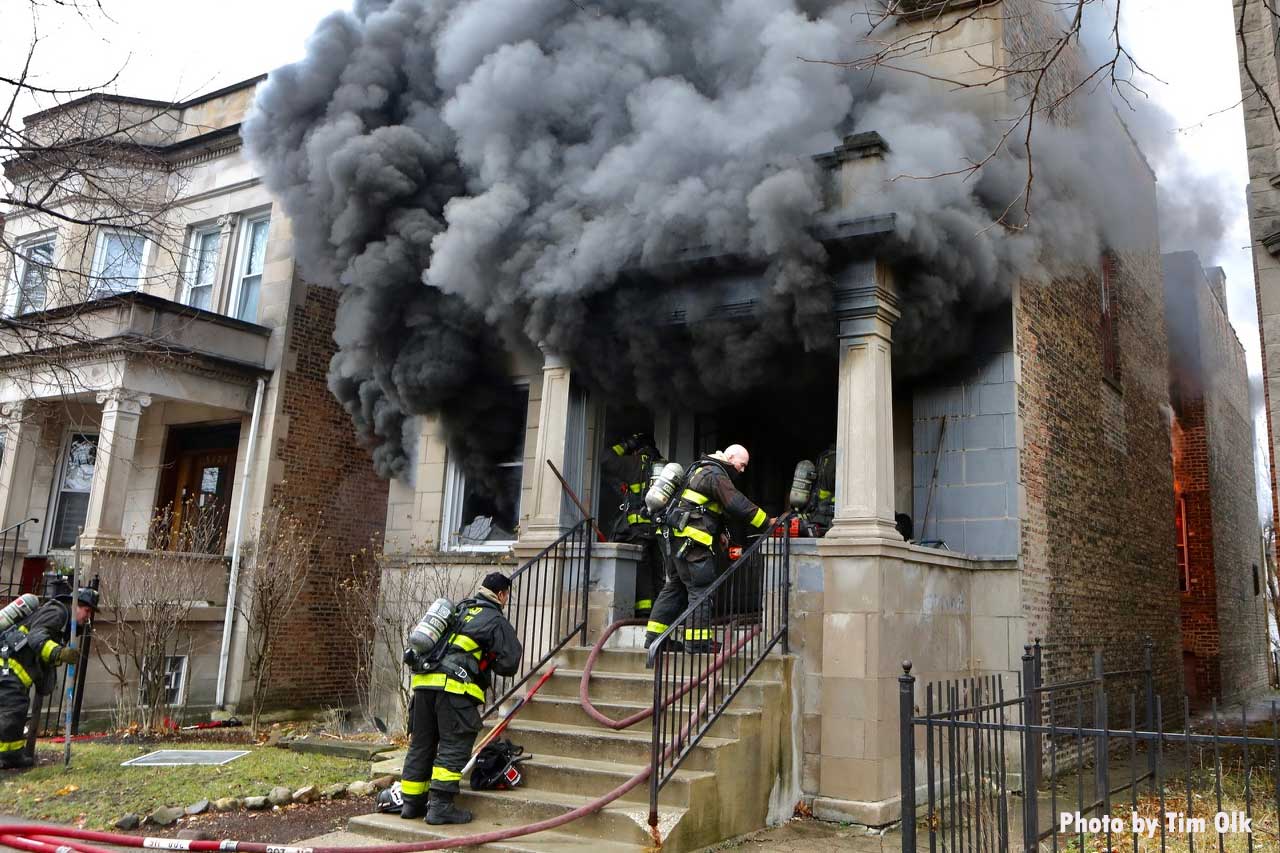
[[60, 478], [183, 672], [18, 271], [190, 271], [96, 290], [1108, 327], [245, 230], [455, 487]]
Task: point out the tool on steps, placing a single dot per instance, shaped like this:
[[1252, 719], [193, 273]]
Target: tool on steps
[[582, 509], [933, 481], [497, 730]]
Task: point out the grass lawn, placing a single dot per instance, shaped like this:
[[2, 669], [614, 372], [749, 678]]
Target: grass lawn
[[96, 790]]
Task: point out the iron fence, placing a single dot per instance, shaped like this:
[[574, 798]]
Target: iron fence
[[548, 606], [15, 581], [723, 644], [1010, 763]]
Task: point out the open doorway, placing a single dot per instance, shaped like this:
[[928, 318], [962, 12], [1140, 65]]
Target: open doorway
[[194, 498]]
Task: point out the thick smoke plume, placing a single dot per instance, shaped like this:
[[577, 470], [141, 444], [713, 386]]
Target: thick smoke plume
[[489, 175]]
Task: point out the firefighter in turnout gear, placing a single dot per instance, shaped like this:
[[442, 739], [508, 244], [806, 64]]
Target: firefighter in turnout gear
[[821, 509], [29, 656], [445, 711], [629, 468], [694, 534]]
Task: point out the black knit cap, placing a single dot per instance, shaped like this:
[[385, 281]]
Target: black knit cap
[[496, 582]]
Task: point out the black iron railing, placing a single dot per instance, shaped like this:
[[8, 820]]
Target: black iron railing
[[705, 657], [548, 606], [11, 557]]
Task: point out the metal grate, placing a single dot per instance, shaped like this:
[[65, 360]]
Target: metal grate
[[185, 757]]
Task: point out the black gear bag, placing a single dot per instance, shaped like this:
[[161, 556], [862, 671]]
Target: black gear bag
[[498, 767]]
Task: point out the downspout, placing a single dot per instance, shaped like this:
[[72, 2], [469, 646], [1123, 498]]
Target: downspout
[[236, 540]]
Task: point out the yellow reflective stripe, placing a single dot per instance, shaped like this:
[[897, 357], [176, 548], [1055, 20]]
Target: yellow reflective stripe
[[655, 627], [699, 536], [637, 488], [824, 495], [12, 745], [646, 604], [47, 650], [19, 671], [759, 518], [636, 518], [462, 641], [694, 497], [698, 634], [620, 450], [412, 789], [433, 680], [440, 774], [24, 629]]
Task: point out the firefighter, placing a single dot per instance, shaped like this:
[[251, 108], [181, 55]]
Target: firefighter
[[820, 511], [445, 710], [694, 536], [629, 468], [29, 656]]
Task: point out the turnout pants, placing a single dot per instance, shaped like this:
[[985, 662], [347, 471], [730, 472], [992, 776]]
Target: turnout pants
[[649, 574], [445, 726], [687, 578], [15, 701]]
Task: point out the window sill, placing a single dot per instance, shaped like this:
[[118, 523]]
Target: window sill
[[487, 548]]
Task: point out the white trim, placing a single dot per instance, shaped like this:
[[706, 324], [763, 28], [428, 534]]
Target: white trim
[[99, 260], [59, 478], [18, 270], [183, 671], [244, 234], [189, 271]]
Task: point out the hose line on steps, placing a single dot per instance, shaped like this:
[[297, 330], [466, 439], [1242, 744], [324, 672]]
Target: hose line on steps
[[58, 839]]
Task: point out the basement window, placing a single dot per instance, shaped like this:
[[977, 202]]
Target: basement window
[[483, 514], [172, 687]]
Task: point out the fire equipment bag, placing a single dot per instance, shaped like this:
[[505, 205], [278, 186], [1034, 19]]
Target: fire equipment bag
[[498, 767]]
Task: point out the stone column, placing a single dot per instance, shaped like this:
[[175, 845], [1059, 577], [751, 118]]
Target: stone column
[[121, 411], [21, 430], [553, 422], [866, 308]]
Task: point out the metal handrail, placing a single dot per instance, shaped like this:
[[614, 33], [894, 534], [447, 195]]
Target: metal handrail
[[547, 607], [691, 691], [15, 571]]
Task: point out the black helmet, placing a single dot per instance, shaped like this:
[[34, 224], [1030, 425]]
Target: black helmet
[[390, 800], [88, 596]]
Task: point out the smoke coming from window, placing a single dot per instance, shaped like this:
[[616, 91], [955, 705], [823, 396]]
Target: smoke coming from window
[[481, 176]]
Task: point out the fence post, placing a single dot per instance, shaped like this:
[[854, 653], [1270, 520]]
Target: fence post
[[1100, 721], [907, 755], [1030, 755], [1150, 685]]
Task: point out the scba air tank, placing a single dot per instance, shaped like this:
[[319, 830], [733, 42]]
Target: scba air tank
[[431, 627], [17, 610], [664, 487], [802, 483]]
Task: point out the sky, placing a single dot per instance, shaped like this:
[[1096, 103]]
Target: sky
[[164, 54]]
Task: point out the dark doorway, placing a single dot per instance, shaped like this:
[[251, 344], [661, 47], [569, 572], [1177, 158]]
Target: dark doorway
[[195, 488]]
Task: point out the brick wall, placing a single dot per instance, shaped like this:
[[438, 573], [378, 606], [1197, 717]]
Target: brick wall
[[1096, 475], [326, 475], [1200, 630]]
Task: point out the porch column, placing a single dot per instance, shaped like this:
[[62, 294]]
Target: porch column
[[113, 464], [866, 306], [21, 431], [544, 524]]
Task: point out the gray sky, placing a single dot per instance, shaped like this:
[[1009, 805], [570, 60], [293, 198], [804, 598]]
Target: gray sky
[[166, 54]]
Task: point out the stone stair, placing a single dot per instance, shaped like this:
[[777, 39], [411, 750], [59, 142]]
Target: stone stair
[[721, 790]]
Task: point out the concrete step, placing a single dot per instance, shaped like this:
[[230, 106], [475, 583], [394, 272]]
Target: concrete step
[[590, 778], [628, 747], [638, 688], [379, 828], [633, 661], [619, 821], [565, 709]]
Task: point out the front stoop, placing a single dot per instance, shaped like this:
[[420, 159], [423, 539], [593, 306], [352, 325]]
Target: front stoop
[[720, 791]]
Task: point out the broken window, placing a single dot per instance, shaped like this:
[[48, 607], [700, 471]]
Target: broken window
[[483, 514]]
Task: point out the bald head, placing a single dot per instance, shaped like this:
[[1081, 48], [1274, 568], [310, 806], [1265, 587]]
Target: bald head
[[738, 457]]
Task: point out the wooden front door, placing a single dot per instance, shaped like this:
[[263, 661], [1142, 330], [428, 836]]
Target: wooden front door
[[195, 493]]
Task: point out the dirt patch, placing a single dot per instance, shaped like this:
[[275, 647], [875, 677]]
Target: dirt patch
[[280, 825]]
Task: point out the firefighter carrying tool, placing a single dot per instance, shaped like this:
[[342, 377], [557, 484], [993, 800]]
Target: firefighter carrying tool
[[445, 709], [693, 535], [630, 468], [29, 655]]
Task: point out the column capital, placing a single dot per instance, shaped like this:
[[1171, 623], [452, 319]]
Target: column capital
[[121, 400], [551, 359], [865, 300]]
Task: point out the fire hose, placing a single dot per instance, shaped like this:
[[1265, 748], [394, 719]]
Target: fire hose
[[58, 839]]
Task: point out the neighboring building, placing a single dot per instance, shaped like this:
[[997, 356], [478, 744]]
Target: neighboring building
[[134, 363], [1224, 614]]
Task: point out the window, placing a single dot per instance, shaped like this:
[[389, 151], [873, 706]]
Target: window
[[253, 254], [482, 513], [118, 263], [173, 684], [1108, 332], [1180, 545], [74, 482], [29, 283], [202, 267]]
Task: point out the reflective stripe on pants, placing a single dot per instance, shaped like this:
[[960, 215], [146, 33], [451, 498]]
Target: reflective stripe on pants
[[445, 726]]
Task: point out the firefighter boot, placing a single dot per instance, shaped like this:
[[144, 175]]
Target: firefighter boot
[[440, 809], [670, 646], [701, 647], [15, 760], [415, 806]]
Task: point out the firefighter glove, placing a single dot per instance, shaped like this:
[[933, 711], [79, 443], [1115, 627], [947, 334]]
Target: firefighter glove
[[68, 654]]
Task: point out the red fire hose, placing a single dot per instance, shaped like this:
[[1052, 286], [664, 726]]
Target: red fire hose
[[58, 839]]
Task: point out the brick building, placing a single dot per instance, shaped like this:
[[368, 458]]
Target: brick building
[[134, 368], [1216, 509]]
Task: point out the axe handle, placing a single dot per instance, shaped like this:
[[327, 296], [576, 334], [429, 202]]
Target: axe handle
[[497, 730]]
